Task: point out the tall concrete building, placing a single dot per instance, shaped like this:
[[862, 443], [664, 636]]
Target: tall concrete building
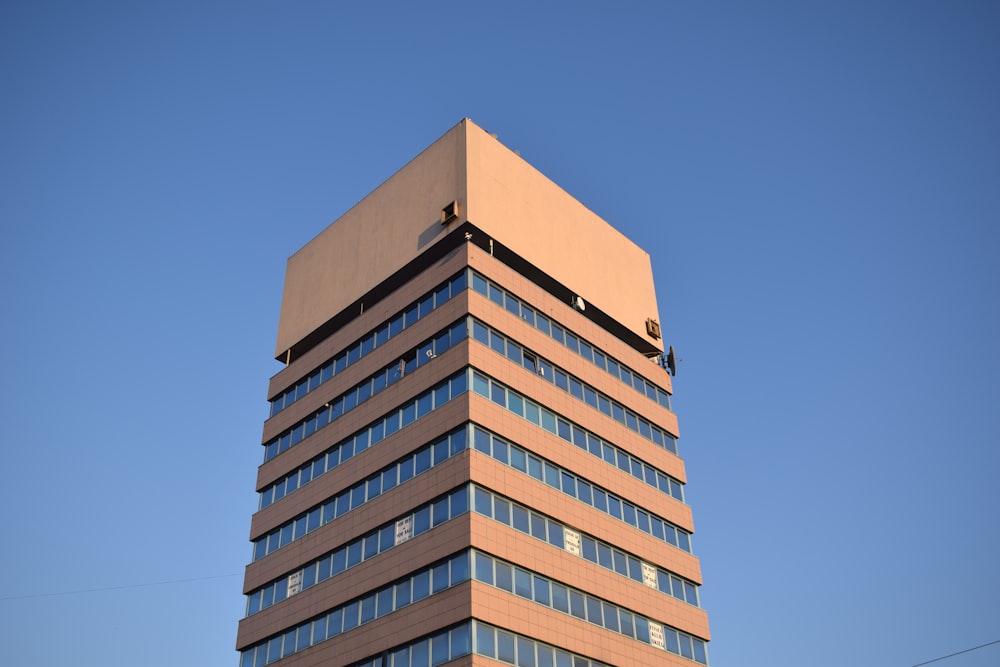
[[471, 457]]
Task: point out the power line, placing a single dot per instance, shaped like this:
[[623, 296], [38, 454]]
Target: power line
[[115, 588], [974, 648]]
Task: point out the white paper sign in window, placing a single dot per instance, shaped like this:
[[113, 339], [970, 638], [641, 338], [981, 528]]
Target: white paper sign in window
[[572, 541], [294, 583], [404, 529], [649, 575], [656, 635]]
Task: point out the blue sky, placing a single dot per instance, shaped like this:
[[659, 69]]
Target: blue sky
[[817, 184]]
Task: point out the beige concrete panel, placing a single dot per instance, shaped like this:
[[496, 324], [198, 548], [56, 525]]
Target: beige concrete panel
[[378, 236], [525, 211]]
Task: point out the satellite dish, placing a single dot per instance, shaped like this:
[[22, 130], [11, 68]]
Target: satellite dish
[[430, 354], [671, 361], [579, 304]]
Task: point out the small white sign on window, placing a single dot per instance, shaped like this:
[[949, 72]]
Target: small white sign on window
[[404, 529], [294, 583], [572, 541], [656, 635], [649, 575]]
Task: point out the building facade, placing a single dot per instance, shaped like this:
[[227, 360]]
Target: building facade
[[470, 457]]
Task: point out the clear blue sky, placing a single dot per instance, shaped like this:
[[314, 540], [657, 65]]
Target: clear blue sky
[[818, 184]]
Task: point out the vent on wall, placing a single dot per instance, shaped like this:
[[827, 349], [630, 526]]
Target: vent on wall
[[449, 212], [653, 328]]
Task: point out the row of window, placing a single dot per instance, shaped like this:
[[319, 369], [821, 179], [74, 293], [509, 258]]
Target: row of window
[[375, 384], [436, 649], [491, 505], [373, 339], [375, 604], [433, 399], [515, 649], [482, 639], [493, 642], [536, 525], [582, 490], [343, 451], [360, 549], [509, 513], [435, 299], [460, 640], [322, 514], [571, 385], [588, 442], [502, 297], [547, 592], [561, 427]]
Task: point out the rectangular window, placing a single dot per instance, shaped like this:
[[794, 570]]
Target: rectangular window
[[514, 352], [334, 623], [499, 395], [518, 459], [480, 385], [560, 598], [541, 590], [485, 640], [501, 511], [354, 553], [421, 521], [500, 450], [479, 284], [440, 450], [610, 617], [371, 546], [484, 568], [460, 568], [459, 501], [368, 609], [484, 502], [556, 536], [594, 611], [439, 649], [440, 512], [439, 578], [604, 556], [383, 603], [521, 521], [537, 527], [505, 577], [626, 623], [421, 585], [339, 561], [423, 460], [480, 332], [403, 594], [351, 616], [525, 652]]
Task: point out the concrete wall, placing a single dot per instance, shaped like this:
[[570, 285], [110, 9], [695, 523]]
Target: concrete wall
[[377, 237], [498, 192], [542, 223]]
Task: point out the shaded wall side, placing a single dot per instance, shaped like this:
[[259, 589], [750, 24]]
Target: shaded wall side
[[377, 237], [522, 209]]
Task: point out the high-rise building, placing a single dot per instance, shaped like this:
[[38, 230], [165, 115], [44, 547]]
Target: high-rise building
[[470, 456]]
